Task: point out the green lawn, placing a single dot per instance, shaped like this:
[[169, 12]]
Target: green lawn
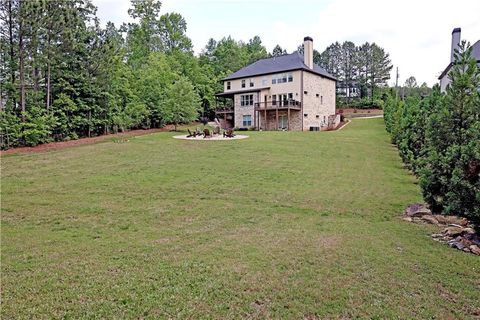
[[280, 225]]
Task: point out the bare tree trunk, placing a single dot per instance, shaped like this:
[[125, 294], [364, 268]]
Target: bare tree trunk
[[21, 56], [48, 65], [48, 83], [12, 50]]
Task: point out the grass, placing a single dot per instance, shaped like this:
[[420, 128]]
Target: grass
[[280, 225]]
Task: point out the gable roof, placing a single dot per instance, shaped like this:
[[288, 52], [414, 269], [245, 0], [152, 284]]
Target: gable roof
[[475, 54], [287, 62]]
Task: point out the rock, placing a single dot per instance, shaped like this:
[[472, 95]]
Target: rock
[[456, 220], [453, 231], [430, 219], [440, 218], [456, 244], [468, 231], [437, 235], [409, 219], [417, 210], [475, 249]]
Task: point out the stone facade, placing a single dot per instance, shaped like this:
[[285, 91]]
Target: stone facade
[[318, 100]]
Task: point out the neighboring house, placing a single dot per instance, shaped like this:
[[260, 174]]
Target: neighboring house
[[352, 91], [287, 92], [456, 38]]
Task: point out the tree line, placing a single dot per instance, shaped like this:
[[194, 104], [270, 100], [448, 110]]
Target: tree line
[[438, 138], [362, 69], [64, 76]]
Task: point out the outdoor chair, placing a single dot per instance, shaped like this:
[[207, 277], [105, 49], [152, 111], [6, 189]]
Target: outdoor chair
[[190, 134], [228, 134], [206, 133]]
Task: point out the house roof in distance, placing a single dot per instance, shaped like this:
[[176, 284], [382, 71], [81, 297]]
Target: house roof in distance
[[475, 54], [287, 62]]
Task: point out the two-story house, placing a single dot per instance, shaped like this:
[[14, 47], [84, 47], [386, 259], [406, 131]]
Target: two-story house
[[287, 92], [456, 38]]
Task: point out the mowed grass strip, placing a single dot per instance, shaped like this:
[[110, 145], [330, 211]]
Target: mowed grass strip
[[280, 225]]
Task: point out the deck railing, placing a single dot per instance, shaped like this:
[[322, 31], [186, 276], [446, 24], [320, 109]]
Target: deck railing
[[281, 104]]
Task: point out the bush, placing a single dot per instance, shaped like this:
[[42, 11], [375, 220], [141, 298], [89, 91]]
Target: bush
[[439, 139], [37, 128]]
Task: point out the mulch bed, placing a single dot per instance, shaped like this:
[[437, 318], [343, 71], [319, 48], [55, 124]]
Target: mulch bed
[[83, 141]]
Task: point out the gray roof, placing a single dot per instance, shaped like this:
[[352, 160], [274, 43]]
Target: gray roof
[[476, 50], [287, 62]]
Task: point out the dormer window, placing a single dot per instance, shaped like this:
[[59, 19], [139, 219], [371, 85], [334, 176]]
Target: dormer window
[[243, 83], [228, 85], [251, 83]]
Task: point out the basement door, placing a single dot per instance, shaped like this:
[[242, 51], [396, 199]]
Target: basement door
[[282, 122]]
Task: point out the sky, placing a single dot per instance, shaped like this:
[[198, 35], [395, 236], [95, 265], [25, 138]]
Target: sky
[[416, 33]]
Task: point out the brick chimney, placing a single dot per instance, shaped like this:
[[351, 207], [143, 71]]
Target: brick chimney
[[455, 42], [308, 52]]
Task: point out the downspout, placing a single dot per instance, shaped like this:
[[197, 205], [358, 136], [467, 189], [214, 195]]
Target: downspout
[[301, 95]]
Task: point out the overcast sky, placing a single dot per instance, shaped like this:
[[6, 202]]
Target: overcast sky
[[416, 33]]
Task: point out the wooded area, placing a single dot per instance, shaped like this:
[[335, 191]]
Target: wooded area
[[63, 76]]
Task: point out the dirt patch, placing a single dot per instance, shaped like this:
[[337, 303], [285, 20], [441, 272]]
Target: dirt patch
[[83, 141]]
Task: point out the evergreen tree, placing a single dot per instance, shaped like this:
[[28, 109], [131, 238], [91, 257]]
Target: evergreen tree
[[451, 177]]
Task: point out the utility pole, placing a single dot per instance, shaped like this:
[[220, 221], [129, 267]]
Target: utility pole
[[396, 85]]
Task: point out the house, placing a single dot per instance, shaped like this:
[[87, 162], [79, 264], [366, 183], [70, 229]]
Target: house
[[350, 91], [456, 38], [287, 92]]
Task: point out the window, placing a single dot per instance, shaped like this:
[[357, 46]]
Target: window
[[282, 78], [290, 96], [318, 95], [228, 85], [243, 83], [247, 120], [305, 92], [251, 83], [305, 115], [317, 116], [274, 99], [246, 100]]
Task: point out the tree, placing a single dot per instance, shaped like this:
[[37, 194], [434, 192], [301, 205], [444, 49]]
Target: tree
[[255, 50], [181, 103], [278, 51], [173, 28], [411, 82], [451, 177]]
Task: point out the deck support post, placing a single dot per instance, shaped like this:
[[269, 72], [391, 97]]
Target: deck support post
[[266, 126], [288, 119], [276, 118]]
